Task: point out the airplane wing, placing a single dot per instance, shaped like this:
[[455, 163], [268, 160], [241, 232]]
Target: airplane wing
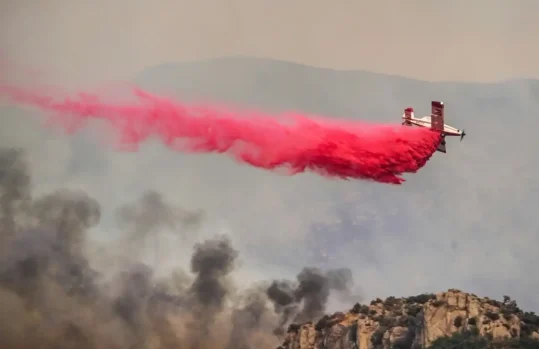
[[437, 116]]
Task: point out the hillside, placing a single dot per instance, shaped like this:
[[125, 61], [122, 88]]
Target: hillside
[[424, 321]]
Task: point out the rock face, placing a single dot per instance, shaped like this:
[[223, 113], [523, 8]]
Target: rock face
[[414, 322]]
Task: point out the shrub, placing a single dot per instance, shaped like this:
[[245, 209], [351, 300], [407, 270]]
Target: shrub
[[387, 321], [376, 301], [509, 307], [322, 323], [506, 313], [364, 310], [460, 340], [355, 309], [406, 321], [378, 336], [493, 316], [413, 309], [493, 302], [391, 301], [474, 331], [472, 321], [467, 340], [438, 303], [421, 299], [530, 318]]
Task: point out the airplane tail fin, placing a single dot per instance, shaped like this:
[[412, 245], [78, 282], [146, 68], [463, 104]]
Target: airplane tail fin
[[437, 115], [408, 115]]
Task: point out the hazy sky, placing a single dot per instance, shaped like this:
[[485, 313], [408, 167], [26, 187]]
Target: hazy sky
[[87, 41], [101, 41]]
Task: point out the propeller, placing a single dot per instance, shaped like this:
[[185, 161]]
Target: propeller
[[462, 135]]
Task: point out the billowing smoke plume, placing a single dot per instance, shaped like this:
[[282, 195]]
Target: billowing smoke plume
[[51, 297], [306, 299], [212, 261]]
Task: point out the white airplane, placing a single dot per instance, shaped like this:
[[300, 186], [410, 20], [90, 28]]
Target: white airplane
[[435, 121]]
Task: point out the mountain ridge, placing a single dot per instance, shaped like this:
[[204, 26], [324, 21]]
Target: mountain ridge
[[422, 321], [245, 59]]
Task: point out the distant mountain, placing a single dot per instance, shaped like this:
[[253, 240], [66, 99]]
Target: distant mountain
[[473, 204], [357, 94]]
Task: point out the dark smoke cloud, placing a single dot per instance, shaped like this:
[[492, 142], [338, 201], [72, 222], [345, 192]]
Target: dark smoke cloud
[[281, 293], [212, 261], [51, 297], [306, 299]]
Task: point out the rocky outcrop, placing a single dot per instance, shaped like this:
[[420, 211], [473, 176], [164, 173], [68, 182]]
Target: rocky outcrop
[[414, 322], [455, 311]]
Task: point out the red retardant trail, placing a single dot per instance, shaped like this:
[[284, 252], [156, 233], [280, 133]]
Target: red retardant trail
[[341, 149]]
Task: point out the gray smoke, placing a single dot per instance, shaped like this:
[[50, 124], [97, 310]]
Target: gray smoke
[[14, 191], [212, 261], [145, 218], [68, 213], [247, 319], [281, 293], [51, 297], [306, 300], [151, 213]]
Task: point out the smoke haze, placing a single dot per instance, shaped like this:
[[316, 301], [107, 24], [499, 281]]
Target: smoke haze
[[453, 224], [56, 299]]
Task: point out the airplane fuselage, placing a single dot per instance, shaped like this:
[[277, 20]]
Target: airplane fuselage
[[425, 121]]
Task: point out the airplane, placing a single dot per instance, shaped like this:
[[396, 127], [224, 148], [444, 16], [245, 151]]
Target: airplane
[[435, 122]]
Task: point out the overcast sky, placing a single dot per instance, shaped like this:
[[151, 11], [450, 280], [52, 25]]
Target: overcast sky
[[80, 41], [103, 41]]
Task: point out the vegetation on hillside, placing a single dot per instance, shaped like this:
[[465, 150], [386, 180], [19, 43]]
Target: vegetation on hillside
[[471, 340], [403, 312]]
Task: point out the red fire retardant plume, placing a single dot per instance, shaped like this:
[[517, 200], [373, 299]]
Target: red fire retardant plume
[[340, 149]]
